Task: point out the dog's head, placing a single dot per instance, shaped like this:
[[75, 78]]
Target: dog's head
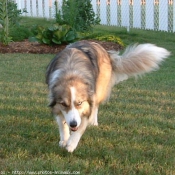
[[72, 99]]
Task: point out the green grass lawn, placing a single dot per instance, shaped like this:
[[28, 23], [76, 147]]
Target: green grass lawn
[[136, 132]]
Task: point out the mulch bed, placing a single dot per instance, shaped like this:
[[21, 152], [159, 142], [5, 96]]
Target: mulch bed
[[37, 48]]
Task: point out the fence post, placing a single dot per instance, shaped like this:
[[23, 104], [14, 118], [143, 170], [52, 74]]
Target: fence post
[[28, 7], [18, 2], [34, 9], [125, 14], [113, 12], [163, 15], [150, 14], [40, 8], [103, 12], [137, 14], [94, 6], [23, 5], [46, 9], [52, 9]]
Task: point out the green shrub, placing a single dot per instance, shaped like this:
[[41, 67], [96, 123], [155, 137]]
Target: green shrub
[[4, 20], [103, 37], [78, 14], [19, 33], [9, 16], [110, 38], [14, 13], [55, 34]]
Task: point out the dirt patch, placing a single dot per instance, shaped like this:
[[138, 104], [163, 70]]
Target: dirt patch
[[37, 48]]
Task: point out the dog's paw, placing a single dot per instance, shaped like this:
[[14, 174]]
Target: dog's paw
[[72, 142], [70, 148], [95, 124], [62, 143]]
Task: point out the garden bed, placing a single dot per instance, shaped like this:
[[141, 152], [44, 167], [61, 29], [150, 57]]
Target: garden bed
[[37, 48]]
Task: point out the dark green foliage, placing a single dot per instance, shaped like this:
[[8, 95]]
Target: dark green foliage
[[14, 13], [78, 14], [55, 34], [9, 16], [4, 20], [19, 33]]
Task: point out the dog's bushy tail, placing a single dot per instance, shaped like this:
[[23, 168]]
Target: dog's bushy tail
[[137, 60]]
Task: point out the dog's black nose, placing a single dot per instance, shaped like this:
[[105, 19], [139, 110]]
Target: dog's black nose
[[73, 124]]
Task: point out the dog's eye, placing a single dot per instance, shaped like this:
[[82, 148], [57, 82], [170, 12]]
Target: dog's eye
[[63, 104], [79, 103]]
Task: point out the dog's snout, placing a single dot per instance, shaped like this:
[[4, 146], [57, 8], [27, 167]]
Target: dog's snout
[[73, 124]]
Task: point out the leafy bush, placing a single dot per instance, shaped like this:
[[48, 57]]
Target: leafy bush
[[19, 33], [78, 14], [14, 13], [110, 38], [9, 16], [103, 37], [4, 20], [55, 34]]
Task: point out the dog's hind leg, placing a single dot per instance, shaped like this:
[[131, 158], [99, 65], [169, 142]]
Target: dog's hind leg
[[75, 136], [64, 131]]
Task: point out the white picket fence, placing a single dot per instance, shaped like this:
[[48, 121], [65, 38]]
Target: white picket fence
[[142, 14], [39, 8]]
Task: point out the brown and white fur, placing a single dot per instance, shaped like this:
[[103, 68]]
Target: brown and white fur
[[81, 77]]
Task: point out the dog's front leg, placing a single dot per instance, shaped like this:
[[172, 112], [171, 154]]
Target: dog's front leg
[[95, 116], [93, 119], [75, 136], [64, 131]]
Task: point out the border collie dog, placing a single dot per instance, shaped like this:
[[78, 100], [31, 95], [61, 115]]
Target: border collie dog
[[81, 77]]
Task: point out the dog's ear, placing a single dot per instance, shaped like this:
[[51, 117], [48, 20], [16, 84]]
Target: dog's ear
[[55, 108]]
